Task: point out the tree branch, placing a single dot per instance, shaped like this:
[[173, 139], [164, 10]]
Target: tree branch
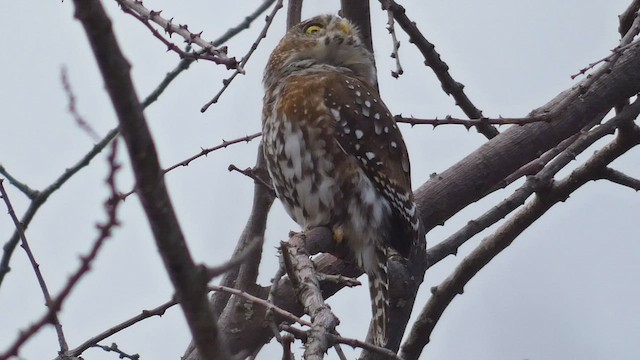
[[188, 280], [307, 288], [36, 268], [439, 67], [443, 294]]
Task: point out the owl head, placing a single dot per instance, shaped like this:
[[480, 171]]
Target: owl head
[[322, 43]]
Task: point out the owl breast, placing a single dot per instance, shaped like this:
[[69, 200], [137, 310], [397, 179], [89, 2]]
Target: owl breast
[[318, 183]]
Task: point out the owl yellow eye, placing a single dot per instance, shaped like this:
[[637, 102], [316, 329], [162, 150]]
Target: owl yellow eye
[[312, 29]]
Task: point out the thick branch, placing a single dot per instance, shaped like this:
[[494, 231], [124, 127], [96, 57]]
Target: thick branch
[[482, 170], [490, 247], [188, 280]]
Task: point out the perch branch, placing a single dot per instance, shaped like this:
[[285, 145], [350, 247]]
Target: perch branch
[[307, 287]]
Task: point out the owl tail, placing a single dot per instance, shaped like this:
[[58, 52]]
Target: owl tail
[[379, 291]]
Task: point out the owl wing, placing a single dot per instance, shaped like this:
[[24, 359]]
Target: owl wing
[[366, 130]]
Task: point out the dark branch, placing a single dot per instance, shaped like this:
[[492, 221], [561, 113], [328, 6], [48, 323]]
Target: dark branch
[[439, 67], [188, 280]]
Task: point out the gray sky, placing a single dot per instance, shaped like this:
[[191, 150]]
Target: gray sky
[[564, 289]]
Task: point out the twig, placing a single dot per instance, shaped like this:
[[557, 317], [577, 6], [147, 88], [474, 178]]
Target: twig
[[439, 67], [256, 300], [245, 58], [66, 85], [145, 314], [355, 343], [620, 178], [136, 9], [449, 120], [36, 268], [396, 45], [205, 152], [615, 53], [114, 348], [24, 188], [105, 230], [248, 172], [490, 247]]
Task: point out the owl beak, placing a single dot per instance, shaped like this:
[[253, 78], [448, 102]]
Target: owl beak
[[345, 27]]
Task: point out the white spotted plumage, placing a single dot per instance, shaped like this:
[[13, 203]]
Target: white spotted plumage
[[335, 154]]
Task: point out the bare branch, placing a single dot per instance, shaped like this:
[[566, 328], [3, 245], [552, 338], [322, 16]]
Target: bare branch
[[136, 9], [620, 178], [543, 179], [39, 198], [490, 247], [396, 46], [627, 17], [439, 67], [267, 305], [145, 314], [252, 175], [82, 123], [114, 348], [307, 287], [205, 152], [246, 57], [188, 280], [36, 268], [303, 335], [449, 120], [105, 230], [294, 13], [24, 188]]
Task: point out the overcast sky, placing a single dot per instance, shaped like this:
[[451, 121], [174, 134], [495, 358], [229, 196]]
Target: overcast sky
[[566, 289]]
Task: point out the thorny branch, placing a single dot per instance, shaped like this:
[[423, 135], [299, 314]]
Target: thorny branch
[[203, 152], [105, 231], [490, 247], [535, 183], [36, 268], [82, 123], [449, 120], [189, 280], [245, 58], [439, 67], [136, 9], [145, 314], [396, 46]]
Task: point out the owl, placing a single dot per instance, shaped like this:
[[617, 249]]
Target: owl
[[335, 155]]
